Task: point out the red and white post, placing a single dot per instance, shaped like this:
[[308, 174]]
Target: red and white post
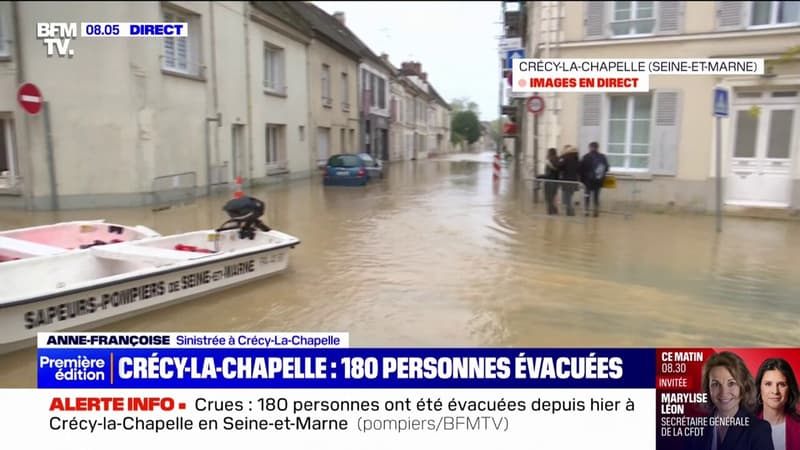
[[238, 193], [496, 164]]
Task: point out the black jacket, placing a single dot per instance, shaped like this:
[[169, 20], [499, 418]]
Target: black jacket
[[594, 167], [551, 169], [569, 166], [756, 436]]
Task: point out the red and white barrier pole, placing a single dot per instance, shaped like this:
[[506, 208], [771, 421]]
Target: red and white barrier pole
[[238, 193], [496, 175]]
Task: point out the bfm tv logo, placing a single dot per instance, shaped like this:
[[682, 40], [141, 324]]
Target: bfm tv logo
[[56, 36]]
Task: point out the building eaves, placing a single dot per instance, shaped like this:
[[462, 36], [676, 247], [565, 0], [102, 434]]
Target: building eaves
[[439, 98], [410, 85], [326, 27], [333, 29], [282, 12]]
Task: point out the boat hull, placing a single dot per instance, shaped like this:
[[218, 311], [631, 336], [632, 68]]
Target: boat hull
[[117, 300]]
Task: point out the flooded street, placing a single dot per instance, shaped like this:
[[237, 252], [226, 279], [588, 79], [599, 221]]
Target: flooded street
[[436, 255]]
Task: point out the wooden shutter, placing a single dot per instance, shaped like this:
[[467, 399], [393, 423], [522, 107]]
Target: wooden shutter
[[591, 121], [665, 141], [731, 15], [594, 21], [670, 17]]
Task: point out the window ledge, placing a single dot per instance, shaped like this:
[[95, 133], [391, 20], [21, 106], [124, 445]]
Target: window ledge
[[772, 26], [632, 36], [276, 170], [5, 58], [188, 76], [10, 191], [632, 176], [276, 93]]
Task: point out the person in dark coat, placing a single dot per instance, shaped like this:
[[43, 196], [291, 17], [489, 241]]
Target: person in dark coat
[[569, 170], [551, 172], [778, 396], [594, 167]]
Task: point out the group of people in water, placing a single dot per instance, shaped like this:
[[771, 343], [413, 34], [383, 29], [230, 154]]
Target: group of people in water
[[572, 171], [768, 403]]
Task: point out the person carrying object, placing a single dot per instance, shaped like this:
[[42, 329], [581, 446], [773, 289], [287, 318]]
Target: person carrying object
[[569, 170], [593, 170]]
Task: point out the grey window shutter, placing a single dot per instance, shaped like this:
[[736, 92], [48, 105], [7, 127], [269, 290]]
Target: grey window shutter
[[731, 15], [591, 121], [666, 133], [594, 21], [670, 17]]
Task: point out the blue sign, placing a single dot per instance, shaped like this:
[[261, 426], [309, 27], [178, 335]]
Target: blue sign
[[721, 102], [511, 54]]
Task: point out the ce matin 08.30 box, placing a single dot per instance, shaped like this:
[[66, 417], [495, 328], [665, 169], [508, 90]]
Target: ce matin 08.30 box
[[311, 390]]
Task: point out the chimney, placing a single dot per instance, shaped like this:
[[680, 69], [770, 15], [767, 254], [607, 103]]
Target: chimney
[[339, 15], [417, 68], [385, 57], [424, 76]]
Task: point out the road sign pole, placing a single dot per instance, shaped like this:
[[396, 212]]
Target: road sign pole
[[48, 135], [721, 108], [535, 158], [719, 174]]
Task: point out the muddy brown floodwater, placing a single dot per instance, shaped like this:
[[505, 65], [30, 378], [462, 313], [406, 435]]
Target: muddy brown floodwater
[[438, 255]]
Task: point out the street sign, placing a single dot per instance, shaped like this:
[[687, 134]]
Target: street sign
[[509, 110], [512, 54], [535, 104], [30, 98], [507, 44], [721, 102]]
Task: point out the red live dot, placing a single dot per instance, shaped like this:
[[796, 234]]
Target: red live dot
[[181, 405]]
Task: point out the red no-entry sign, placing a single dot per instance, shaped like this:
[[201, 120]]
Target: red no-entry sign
[[535, 104], [30, 98]]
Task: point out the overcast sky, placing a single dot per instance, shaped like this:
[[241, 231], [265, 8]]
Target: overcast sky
[[456, 42]]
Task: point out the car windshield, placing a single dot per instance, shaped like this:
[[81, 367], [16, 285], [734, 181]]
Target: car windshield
[[345, 161]]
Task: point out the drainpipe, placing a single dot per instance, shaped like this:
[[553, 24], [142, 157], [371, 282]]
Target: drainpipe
[[28, 173], [248, 89], [214, 82]]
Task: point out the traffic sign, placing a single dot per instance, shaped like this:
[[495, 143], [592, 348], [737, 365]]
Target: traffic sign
[[30, 98], [507, 44], [721, 102], [535, 104], [512, 54]]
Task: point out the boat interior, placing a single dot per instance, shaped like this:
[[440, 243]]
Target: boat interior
[[63, 271], [53, 239]]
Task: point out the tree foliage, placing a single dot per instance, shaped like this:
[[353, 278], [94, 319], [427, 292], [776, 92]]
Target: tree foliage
[[465, 104], [465, 127]]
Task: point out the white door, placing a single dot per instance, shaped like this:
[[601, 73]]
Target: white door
[[764, 141], [323, 145]]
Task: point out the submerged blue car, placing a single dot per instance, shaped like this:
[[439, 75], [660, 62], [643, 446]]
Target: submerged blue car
[[345, 169]]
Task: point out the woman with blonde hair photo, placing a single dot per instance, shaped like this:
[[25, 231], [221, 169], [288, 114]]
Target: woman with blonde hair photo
[[732, 396]]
